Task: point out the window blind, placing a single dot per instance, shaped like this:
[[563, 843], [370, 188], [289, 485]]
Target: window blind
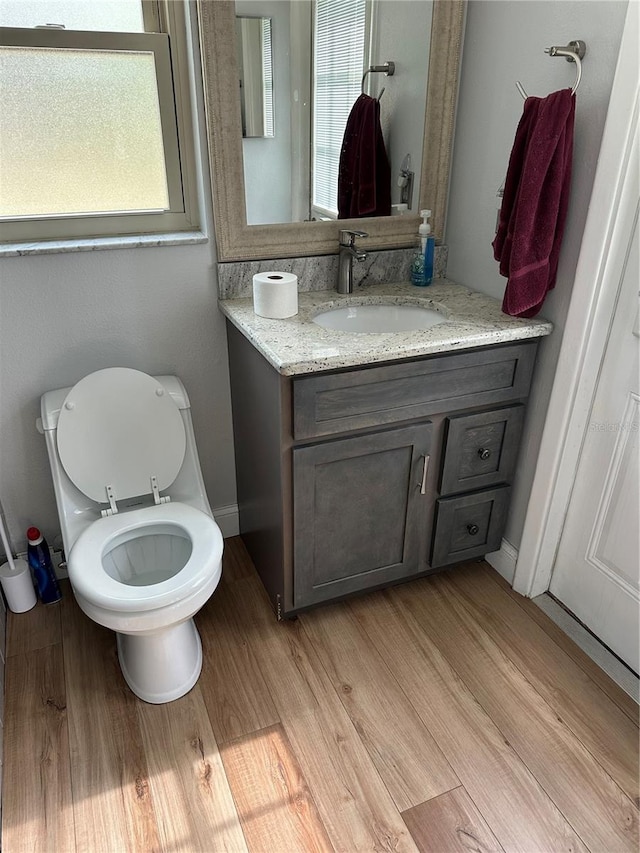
[[267, 75], [339, 53]]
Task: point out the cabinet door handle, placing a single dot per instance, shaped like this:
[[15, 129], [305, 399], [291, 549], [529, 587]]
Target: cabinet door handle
[[484, 452], [472, 529], [425, 468]]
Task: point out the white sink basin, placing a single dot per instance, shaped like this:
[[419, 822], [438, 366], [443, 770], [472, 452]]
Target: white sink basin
[[379, 318]]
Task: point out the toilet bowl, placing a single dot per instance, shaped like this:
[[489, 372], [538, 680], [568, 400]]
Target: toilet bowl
[[140, 563]]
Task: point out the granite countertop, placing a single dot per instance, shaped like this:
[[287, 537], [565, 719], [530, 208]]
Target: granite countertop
[[297, 345]]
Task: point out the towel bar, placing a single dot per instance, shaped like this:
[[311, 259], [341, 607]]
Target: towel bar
[[573, 52]]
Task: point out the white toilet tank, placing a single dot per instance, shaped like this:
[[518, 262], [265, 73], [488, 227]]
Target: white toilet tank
[[75, 509]]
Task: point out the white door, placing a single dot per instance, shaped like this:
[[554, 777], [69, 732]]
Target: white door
[[597, 568]]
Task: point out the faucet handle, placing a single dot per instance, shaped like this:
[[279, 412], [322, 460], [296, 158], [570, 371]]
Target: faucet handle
[[347, 238]]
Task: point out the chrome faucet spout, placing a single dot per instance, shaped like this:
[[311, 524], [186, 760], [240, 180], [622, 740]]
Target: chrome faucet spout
[[348, 251]]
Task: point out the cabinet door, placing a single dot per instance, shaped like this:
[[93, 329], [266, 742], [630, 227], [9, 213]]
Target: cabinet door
[[358, 512]]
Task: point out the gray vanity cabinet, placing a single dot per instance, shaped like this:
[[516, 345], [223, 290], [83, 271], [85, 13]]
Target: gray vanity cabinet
[[353, 479]]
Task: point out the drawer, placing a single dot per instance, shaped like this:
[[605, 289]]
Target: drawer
[[331, 403], [481, 449], [469, 525]]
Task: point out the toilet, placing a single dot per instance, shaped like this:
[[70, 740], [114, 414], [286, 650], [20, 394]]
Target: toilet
[[144, 552]]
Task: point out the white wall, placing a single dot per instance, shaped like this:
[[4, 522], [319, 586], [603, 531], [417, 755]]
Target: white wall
[[267, 162], [504, 42]]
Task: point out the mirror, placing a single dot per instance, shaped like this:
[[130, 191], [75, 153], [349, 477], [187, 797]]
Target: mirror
[[236, 239], [255, 72], [324, 46]]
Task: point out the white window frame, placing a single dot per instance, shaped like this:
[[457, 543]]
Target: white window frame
[[172, 74]]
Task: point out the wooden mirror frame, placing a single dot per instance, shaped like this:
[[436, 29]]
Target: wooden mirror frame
[[237, 241]]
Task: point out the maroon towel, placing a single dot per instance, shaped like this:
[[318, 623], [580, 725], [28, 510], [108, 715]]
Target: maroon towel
[[534, 205], [364, 175]]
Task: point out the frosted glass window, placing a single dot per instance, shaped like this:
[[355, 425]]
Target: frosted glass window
[[104, 15], [80, 132]]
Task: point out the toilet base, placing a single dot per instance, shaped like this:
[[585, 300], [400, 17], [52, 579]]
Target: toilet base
[[163, 666]]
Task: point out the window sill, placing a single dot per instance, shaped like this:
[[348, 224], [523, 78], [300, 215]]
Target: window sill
[[94, 244]]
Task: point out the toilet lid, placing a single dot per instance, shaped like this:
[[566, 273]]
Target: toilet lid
[[119, 427]]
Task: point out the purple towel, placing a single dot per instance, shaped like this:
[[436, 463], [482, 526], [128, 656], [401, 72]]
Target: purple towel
[[364, 175], [534, 205]]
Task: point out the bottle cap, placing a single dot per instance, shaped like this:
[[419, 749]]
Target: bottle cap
[[425, 229], [34, 537]]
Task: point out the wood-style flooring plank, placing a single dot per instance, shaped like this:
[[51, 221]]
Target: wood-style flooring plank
[[622, 699], [598, 810], [236, 562], [450, 823], [146, 778], [354, 805], [35, 629], [407, 758], [274, 801], [190, 791], [514, 805], [234, 690], [568, 690], [37, 797], [111, 798]]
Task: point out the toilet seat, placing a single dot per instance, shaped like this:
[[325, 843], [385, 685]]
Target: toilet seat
[[118, 428], [90, 579]]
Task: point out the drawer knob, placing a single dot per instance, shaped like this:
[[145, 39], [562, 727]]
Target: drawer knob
[[484, 453], [472, 529]]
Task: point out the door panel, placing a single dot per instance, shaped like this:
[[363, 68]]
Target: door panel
[[597, 569]]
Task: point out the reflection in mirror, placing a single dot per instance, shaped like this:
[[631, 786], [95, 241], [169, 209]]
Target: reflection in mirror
[[340, 33], [255, 70], [237, 239], [324, 48]]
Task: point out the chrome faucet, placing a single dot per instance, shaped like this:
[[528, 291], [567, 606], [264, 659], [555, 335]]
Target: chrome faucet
[[348, 252]]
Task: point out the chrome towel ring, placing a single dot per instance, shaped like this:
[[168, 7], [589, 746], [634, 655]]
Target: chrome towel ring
[[573, 52], [388, 69]]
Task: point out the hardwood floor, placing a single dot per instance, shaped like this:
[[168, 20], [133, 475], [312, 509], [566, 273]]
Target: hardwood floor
[[448, 714]]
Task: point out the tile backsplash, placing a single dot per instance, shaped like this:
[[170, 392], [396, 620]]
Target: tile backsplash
[[321, 272]]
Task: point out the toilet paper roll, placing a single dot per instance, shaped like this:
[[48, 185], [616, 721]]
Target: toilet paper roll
[[275, 294], [18, 586]]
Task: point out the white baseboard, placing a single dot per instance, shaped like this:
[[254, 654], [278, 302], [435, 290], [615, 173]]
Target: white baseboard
[[504, 561], [227, 519]]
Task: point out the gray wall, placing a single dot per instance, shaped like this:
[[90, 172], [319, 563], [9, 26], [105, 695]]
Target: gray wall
[[63, 316], [402, 33], [504, 42]]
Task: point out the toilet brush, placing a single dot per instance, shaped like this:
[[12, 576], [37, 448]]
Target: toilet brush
[[15, 577]]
